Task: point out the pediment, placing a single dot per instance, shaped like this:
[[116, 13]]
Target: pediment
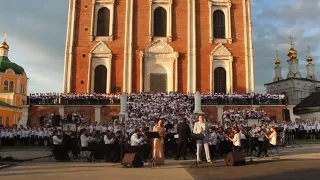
[[101, 48], [159, 47], [221, 50]]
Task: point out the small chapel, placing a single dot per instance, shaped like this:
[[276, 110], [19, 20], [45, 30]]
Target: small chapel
[[295, 86], [13, 88]]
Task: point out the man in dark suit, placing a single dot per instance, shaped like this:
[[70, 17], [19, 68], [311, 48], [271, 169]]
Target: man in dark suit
[[184, 132]]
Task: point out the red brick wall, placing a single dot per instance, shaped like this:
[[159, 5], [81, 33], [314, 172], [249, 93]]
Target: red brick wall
[[88, 111], [211, 113], [108, 112], [204, 48], [141, 41], [83, 45], [35, 112]]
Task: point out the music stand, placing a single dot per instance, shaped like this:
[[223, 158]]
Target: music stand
[[196, 137], [153, 135]]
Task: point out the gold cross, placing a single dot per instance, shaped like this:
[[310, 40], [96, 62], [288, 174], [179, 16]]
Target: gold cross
[[5, 36], [309, 50], [277, 53], [291, 40]]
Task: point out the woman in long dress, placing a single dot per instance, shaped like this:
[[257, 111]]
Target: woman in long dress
[[158, 143]]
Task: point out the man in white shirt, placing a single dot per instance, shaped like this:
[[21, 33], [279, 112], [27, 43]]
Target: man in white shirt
[[201, 127], [135, 140], [84, 141]]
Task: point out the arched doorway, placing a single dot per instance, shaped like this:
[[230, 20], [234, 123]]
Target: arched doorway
[[100, 79], [220, 83], [158, 79]]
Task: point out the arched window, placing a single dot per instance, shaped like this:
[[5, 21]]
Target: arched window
[[220, 83], [7, 121], [11, 85], [219, 30], [103, 22], [160, 22], [100, 78], [6, 85], [0, 120]]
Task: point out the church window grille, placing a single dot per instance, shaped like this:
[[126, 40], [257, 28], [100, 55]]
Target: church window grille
[[11, 86], [219, 24], [220, 83], [103, 22], [6, 85], [160, 22]]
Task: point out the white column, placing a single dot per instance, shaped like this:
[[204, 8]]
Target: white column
[[127, 66], [210, 22], [123, 103], [294, 67], [290, 108], [176, 76], [92, 20], [310, 71], [97, 113], [251, 55], [24, 117], [220, 113], [197, 103], [61, 110], [141, 71]]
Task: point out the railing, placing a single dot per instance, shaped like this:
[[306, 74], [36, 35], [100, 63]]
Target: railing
[[242, 101], [66, 101]]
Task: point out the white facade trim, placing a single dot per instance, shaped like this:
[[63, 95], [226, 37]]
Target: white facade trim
[[127, 66], [225, 7], [221, 57], [158, 54], [100, 55], [69, 47], [191, 47], [167, 5], [251, 55], [97, 6]]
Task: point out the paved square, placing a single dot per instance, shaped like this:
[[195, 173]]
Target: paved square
[[295, 163]]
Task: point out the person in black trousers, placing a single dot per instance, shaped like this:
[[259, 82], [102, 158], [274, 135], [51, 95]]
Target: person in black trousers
[[184, 132]]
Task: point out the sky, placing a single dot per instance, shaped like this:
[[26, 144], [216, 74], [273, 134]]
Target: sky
[[36, 32]]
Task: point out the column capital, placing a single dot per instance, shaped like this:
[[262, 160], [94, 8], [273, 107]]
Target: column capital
[[97, 106]]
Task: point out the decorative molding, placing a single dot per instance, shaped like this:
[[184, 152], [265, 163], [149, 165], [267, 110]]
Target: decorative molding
[[100, 55], [97, 5], [167, 5], [158, 54], [159, 47], [221, 57], [220, 50], [225, 7]]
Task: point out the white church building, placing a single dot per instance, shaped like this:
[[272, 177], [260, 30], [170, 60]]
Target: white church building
[[294, 86]]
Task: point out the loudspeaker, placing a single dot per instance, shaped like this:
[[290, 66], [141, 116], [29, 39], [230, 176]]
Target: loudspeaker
[[55, 120], [286, 115], [132, 160], [235, 158]]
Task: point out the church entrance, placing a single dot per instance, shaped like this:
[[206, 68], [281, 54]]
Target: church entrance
[[158, 82], [100, 79]]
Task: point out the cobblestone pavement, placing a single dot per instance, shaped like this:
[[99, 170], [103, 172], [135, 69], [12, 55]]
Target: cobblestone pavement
[[294, 163]]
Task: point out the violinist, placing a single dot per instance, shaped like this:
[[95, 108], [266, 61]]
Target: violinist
[[261, 143], [236, 140], [59, 153], [272, 137]]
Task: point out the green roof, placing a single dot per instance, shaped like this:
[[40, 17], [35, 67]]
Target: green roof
[[6, 104], [5, 64]]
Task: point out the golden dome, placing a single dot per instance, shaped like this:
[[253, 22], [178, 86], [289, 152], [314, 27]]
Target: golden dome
[[292, 52], [309, 59], [4, 45], [277, 62]]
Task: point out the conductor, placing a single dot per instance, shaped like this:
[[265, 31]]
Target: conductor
[[184, 132]]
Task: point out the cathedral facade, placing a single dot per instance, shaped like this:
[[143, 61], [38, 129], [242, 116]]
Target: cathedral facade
[[159, 45]]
